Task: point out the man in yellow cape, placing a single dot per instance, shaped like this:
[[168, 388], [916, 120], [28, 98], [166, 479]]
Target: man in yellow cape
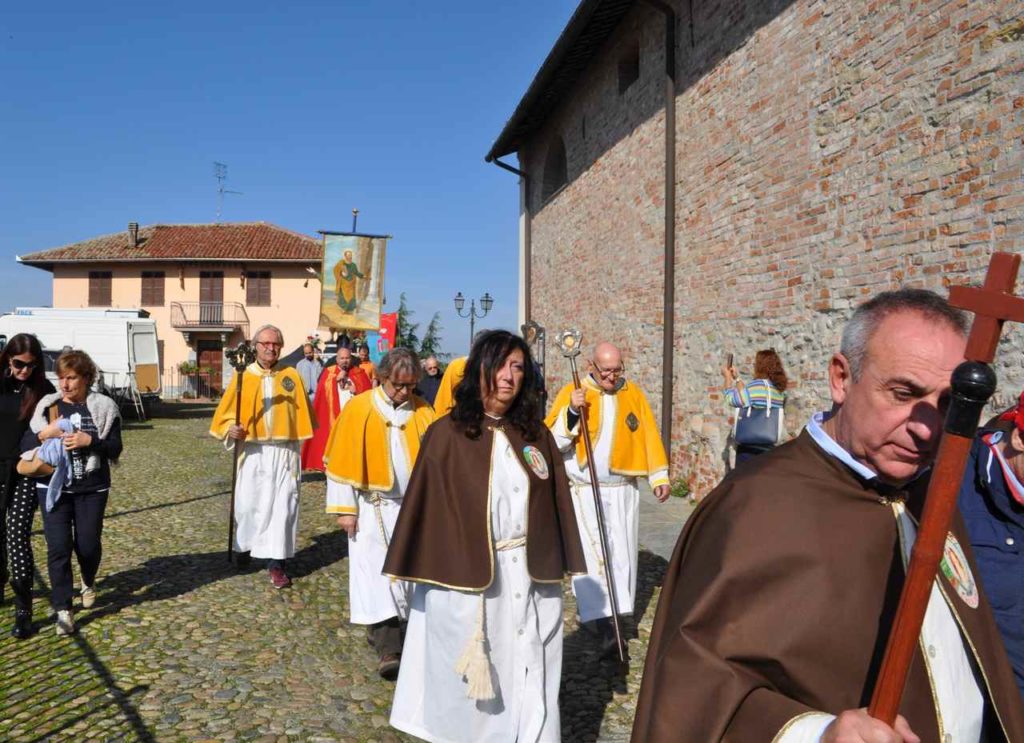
[[445, 399], [627, 446], [275, 420], [369, 458]]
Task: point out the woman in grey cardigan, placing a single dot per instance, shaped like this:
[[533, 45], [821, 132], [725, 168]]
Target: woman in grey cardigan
[[73, 517]]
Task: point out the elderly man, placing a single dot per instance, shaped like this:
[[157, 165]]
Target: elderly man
[[781, 593], [430, 382], [275, 420], [309, 368], [339, 383], [370, 455], [626, 446]]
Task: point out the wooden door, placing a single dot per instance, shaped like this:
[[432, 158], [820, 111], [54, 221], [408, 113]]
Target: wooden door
[[210, 356], [211, 297]]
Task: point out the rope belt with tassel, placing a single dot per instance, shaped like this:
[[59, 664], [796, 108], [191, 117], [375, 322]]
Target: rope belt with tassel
[[475, 664]]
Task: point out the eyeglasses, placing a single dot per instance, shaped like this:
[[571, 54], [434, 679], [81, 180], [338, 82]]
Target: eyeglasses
[[616, 372], [19, 365], [269, 344], [407, 386]]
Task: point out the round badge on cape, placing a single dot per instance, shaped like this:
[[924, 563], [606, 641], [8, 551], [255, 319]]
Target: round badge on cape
[[954, 566], [288, 384], [536, 461]]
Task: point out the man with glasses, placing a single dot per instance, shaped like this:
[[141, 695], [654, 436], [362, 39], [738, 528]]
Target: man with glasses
[[627, 445], [370, 455], [276, 418]]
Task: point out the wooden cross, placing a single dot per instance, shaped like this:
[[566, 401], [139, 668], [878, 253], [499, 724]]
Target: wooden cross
[[992, 305], [973, 384]]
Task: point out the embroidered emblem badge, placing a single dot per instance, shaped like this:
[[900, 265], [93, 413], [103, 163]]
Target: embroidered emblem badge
[[632, 423], [288, 384], [954, 566], [536, 461]]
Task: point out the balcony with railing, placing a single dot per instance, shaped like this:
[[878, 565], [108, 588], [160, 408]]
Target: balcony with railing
[[215, 317]]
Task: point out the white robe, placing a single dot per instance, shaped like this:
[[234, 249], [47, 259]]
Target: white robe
[[524, 639], [620, 500], [374, 597], [267, 493]]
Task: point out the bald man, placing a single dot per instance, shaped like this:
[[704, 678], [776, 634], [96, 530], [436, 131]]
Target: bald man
[[627, 445]]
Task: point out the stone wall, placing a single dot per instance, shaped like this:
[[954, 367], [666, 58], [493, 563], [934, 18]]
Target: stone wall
[[825, 151]]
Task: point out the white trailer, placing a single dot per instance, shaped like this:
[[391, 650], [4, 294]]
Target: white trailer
[[123, 343]]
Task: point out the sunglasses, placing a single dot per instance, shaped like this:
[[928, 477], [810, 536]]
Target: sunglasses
[[19, 365]]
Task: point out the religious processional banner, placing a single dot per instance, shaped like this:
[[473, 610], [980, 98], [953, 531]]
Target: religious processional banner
[[352, 286]]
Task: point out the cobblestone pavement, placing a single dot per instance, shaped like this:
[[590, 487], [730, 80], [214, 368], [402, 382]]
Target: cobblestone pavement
[[182, 646]]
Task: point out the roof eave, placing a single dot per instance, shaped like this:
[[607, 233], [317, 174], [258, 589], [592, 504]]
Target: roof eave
[[509, 140]]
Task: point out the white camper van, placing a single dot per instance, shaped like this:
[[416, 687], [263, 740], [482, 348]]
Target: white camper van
[[121, 342]]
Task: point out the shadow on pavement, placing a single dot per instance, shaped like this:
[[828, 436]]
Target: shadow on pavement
[[182, 410], [163, 578], [64, 682], [592, 682]]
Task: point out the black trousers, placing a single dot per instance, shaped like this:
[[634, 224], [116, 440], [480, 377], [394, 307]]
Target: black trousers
[[17, 527], [75, 523], [8, 478]]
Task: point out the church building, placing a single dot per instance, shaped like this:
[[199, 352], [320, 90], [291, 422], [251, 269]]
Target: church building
[[702, 178]]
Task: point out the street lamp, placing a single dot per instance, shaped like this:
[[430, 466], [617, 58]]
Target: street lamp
[[486, 302]]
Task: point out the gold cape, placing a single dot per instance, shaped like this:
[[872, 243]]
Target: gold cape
[[358, 451], [445, 399], [636, 449], [292, 416]]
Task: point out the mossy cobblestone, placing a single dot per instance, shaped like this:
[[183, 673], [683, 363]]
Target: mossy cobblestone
[[182, 646]]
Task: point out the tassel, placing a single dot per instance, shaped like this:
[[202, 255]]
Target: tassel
[[474, 665]]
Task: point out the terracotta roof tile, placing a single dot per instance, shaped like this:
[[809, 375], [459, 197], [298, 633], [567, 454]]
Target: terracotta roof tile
[[240, 241]]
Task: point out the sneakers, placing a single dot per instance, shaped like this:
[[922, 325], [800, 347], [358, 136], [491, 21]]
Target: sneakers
[[65, 623], [388, 667], [279, 578], [88, 597]]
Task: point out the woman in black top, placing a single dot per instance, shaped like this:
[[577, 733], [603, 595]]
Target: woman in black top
[[22, 384], [73, 517]]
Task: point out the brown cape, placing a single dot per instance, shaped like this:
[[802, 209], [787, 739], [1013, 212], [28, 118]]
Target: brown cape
[[443, 533], [778, 600]]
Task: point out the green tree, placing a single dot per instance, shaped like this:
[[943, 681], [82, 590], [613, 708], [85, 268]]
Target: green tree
[[406, 331], [431, 343]]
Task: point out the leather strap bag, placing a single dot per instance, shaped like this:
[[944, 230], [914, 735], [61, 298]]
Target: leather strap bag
[[759, 428]]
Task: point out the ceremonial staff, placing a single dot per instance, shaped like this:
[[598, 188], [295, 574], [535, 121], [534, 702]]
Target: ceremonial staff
[[973, 383], [569, 342], [239, 357]]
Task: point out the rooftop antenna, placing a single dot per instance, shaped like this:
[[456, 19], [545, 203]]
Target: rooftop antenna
[[220, 172]]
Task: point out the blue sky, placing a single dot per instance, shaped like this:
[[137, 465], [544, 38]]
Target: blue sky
[[115, 112]]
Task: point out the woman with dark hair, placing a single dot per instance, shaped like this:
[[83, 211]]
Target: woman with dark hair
[[22, 385], [757, 401], [89, 426], [487, 532]]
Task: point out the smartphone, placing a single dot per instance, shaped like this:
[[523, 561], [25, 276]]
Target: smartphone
[[728, 361]]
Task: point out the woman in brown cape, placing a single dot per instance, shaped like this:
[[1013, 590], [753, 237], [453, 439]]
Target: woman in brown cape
[[487, 532]]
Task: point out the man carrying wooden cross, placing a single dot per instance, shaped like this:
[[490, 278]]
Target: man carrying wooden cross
[[781, 593]]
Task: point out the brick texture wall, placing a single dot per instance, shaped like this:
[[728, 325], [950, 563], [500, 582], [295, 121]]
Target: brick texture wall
[[825, 151]]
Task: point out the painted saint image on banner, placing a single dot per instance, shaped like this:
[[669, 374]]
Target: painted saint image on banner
[[353, 282]]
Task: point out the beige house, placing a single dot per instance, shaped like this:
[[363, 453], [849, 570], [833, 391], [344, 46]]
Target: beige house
[[208, 286]]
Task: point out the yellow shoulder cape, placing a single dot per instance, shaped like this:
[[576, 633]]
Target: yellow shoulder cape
[[445, 399], [358, 453], [636, 449], [292, 417]]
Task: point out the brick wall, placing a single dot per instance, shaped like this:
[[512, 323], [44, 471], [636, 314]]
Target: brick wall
[[825, 151]]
